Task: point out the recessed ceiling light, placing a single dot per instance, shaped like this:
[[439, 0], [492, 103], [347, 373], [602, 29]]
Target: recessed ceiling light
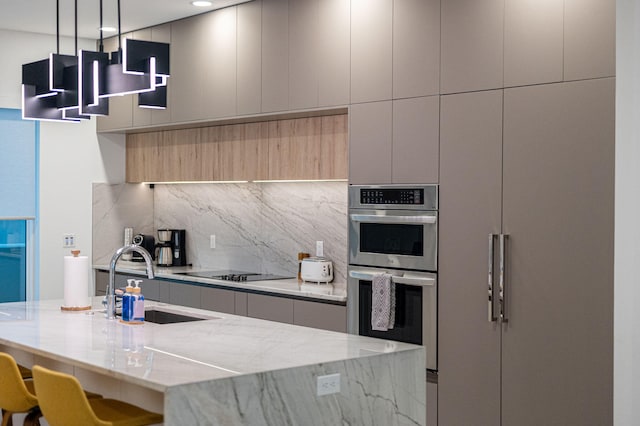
[[201, 3], [108, 29]]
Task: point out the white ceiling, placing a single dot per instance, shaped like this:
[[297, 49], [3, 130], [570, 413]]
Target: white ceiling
[[39, 16]]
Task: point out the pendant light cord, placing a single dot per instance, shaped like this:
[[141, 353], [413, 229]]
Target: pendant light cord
[[58, 27], [101, 26], [119, 36], [76, 27]]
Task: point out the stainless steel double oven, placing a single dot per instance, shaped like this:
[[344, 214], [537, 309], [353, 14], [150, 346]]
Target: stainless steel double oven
[[394, 229]]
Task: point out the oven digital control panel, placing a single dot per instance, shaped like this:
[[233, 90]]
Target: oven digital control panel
[[394, 197], [412, 196]]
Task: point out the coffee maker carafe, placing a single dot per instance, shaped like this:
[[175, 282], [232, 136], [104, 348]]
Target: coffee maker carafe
[[164, 248], [179, 246]]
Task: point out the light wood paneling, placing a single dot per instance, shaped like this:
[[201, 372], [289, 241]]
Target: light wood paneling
[[303, 148]]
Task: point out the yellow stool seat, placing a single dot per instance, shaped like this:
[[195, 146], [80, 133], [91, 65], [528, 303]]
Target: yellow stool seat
[[64, 403], [16, 394]]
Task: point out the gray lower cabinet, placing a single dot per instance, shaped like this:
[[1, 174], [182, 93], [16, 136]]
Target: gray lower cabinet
[[219, 300], [270, 308], [320, 315], [273, 308], [536, 164]]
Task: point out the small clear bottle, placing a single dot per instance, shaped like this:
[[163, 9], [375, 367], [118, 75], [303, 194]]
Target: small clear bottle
[[127, 302], [138, 303]]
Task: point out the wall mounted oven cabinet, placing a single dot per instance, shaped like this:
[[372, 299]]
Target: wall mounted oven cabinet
[[530, 169]]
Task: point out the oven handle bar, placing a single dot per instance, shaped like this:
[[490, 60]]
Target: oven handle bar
[[415, 281], [392, 219]]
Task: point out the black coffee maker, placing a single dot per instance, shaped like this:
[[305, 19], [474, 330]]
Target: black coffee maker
[[179, 246]]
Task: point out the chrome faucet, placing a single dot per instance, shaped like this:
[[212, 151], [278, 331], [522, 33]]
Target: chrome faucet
[[111, 289]]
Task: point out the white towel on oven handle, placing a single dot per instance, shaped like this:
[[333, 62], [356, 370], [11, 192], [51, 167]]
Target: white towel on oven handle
[[383, 302]]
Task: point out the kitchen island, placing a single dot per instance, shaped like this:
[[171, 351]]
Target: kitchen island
[[226, 369]]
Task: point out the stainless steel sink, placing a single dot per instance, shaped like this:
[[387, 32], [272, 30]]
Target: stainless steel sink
[[164, 317]]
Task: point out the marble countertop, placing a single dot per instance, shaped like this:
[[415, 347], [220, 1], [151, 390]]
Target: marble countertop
[[161, 356], [291, 287]]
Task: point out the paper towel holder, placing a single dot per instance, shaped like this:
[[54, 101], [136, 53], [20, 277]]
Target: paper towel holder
[[75, 253]]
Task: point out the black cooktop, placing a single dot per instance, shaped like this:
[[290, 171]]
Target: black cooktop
[[231, 275]]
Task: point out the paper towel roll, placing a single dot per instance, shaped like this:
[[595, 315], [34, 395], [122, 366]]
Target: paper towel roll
[[76, 282]]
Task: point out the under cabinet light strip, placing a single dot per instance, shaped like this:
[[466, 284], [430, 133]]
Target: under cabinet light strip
[[195, 181]]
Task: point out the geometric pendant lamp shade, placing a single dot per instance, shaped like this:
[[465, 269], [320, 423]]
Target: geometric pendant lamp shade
[[74, 88]]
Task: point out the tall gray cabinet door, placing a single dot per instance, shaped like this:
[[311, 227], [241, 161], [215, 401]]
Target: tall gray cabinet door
[[557, 357], [303, 54], [415, 140], [533, 35], [470, 210], [370, 135], [249, 57], [162, 33], [220, 41], [371, 50], [472, 45], [334, 17], [416, 48], [589, 39], [275, 55]]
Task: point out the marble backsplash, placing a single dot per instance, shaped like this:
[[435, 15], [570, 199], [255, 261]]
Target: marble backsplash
[[258, 226], [116, 207]]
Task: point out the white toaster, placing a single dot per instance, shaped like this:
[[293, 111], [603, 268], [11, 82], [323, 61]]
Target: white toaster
[[316, 270]]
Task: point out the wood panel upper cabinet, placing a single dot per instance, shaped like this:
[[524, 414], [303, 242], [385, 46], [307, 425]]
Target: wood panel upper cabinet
[[472, 45], [308, 148], [234, 152], [275, 55], [533, 47], [303, 148], [416, 48], [589, 39], [371, 50]]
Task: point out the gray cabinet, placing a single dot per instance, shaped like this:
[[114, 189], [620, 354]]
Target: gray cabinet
[[532, 56], [370, 134], [589, 39], [275, 55], [270, 308], [333, 63], [371, 50], [218, 299], [394, 141], [184, 294], [415, 145], [249, 57], [416, 48], [320, 315], [303, 54], [162, 33], [547, 182], [472, 45]]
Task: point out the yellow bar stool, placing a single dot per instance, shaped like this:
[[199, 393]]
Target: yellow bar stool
[[64, 403], [16, 395]]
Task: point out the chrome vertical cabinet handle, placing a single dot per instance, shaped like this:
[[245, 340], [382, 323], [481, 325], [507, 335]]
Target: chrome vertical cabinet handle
[[493, 316], [503, 279]]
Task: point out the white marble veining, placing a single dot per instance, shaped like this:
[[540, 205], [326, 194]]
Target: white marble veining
[[258, 226], [229, 369], [116, 207]]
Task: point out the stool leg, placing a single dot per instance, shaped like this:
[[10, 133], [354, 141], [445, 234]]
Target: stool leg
[[33, 418], [7, 418]]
